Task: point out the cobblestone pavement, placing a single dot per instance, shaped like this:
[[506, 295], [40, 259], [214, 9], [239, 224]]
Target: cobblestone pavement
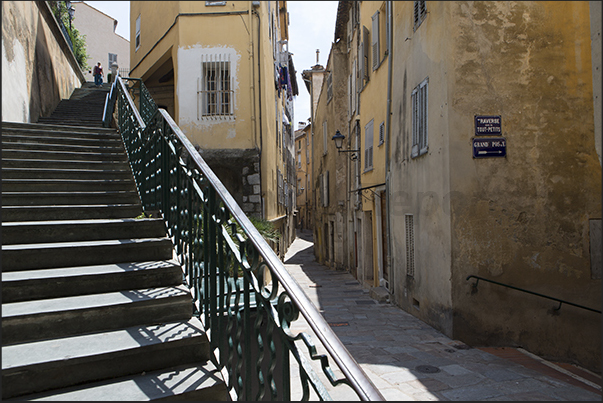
[[407, 359]]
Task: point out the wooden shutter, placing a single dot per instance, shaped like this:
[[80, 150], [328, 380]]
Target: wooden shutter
[[375, 40], [365, 54]]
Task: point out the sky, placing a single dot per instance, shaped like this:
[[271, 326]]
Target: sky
[[311, 27]]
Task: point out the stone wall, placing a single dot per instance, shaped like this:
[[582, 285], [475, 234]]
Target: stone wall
[[38, 67]]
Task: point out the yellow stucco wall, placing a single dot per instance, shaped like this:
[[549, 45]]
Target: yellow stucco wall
[[184, 32]]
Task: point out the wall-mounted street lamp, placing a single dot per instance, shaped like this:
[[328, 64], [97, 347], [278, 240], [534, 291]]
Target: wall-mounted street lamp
[[338, 139]]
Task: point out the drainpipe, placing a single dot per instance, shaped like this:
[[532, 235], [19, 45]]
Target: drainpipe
[[388, 142], [260, 109]]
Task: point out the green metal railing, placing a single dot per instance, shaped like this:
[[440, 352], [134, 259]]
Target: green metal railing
[[241, 290]]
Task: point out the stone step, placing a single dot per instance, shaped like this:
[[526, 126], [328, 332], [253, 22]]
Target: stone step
[[192, 382], [36, 320], [42, 185], [57, 128], [64, 164], [67, 139], [13, 153], [29, 232], [27, 285], [66, 212], [84, 253], [76, 148], [69, 198], [81, 174], [96, 123], [51, 364]]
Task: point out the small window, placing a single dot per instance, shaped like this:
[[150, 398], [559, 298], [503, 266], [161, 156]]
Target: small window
[[368, 146], [216, 95], [325, 137], [420, 12], [137, 41], [410, 245], [215, 3], [112, 59], [329, 87], [299, 160], [419, 119], [381, 133]]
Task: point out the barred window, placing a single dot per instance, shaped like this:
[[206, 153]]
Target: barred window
[[381, 133], [410, 245], [215, 96], [419, 119]]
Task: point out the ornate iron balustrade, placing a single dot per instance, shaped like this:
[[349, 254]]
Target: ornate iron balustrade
[[241, 290]]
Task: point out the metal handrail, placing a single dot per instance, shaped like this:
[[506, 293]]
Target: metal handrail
[[529, 292], [199, 212]]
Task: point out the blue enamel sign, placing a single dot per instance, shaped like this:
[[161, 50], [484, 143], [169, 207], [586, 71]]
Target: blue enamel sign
[[488, 125], [489, 147]]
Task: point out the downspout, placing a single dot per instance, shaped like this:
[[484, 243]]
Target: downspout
[[388, 143], [260, 109]]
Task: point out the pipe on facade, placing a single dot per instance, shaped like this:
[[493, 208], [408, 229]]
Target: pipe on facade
[[260, 108], [389, 16]]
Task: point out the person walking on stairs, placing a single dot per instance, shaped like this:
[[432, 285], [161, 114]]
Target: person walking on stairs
[[98, 75]]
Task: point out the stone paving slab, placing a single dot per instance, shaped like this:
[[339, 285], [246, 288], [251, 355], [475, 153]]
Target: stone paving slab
[[405, 358]]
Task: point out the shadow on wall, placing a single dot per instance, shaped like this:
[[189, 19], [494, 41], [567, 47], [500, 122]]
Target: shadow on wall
[[44, 94]]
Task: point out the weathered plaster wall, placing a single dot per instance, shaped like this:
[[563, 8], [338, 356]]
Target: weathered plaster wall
[[595, 37], [331, 249], [523, 220], [421, 186], [38, 68]]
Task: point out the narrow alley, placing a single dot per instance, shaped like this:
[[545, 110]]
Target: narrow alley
[[409, 360]]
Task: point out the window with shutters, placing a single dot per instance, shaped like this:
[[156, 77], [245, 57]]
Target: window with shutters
[[376, 56], [368, 146], [112, 59], [325, 137], [381, 133], [137, 40], [410, 245], [329, 87], [419, 119], [215, 95], [420, 12], [364, 58]]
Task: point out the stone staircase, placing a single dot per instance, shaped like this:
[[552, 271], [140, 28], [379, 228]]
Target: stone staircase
[[83, 108], [93, 303]]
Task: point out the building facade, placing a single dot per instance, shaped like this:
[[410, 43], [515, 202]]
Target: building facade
[[304, 176], [224, 72], [478, 158], [102, 43]]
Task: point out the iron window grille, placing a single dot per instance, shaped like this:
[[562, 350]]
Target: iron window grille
[[215, 95], [410, 245]]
